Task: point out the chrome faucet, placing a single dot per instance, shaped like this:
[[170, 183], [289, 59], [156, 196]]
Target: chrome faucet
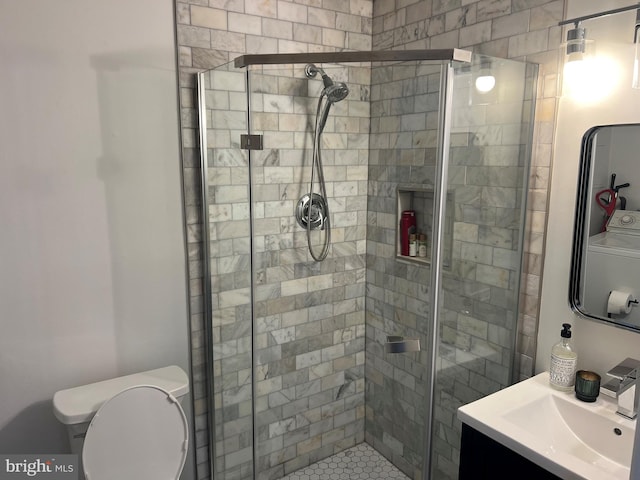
[[626, 372]]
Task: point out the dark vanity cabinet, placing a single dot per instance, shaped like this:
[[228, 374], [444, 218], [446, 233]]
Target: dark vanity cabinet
[[483, 458]]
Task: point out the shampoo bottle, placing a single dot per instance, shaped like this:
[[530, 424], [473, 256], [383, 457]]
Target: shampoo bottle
[[564, 362], [407, 227]]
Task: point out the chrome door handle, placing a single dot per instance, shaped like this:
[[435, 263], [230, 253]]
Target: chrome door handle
[[398, 344]]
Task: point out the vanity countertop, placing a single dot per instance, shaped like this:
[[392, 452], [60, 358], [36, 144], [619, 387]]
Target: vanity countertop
[[569, 438]]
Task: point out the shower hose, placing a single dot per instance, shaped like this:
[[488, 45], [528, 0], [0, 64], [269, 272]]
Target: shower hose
[[314, 210]]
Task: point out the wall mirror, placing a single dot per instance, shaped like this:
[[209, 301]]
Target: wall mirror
[[605, 267]]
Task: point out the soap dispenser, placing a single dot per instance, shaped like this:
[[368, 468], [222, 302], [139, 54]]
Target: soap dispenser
[[564, 362]]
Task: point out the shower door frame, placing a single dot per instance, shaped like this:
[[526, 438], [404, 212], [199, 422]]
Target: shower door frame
[[446, 57], [437, 246]]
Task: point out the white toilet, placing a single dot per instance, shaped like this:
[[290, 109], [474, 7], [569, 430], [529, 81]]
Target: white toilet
[[128, 428]]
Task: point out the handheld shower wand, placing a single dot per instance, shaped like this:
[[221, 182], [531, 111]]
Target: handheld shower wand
[[313, 208]]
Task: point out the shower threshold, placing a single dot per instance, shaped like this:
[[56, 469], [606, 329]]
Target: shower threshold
[[361, 462]]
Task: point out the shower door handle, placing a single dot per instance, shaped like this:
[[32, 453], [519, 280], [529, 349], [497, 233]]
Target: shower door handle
[[398, 344]]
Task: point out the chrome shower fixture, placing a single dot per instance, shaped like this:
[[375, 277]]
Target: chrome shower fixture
[[312, 211], [334, 92], [310, 70]]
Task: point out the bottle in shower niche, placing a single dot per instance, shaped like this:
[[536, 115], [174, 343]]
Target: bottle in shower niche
[[413, 245], [407, 227], [564, 361], [422, 245]]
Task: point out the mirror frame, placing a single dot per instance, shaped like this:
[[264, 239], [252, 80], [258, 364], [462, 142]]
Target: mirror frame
[[579, 225]]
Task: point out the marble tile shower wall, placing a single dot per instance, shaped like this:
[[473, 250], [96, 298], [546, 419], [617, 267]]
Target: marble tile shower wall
[[209, 34], [309, 343]]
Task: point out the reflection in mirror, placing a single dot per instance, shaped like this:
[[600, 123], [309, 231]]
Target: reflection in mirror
[[605, 268]]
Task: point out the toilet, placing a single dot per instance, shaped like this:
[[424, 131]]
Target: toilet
[[128, 428]]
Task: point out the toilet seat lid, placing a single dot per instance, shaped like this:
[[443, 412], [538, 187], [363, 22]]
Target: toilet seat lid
[[141, 433]]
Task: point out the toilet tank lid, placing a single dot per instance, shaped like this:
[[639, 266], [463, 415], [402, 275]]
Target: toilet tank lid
[[79, 404]]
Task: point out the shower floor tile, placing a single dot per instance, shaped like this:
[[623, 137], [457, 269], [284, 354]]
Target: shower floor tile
[[361, 462]]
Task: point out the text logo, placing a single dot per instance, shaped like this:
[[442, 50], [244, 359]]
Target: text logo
[[49, 467]]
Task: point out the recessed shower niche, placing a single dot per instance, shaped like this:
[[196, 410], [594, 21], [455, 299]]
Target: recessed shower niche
[[419, 200]]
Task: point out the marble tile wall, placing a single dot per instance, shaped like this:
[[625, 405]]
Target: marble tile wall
[[309, 340]]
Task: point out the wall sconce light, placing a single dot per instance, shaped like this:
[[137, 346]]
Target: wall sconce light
[[577, 72], [576, 43], [577, 53]]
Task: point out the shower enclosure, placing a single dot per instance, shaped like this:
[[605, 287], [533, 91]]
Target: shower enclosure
[[308, 358]]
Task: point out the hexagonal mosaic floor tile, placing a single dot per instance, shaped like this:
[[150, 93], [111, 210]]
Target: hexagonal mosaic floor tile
[[361, 462]]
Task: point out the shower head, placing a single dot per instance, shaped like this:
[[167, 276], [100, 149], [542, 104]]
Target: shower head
[[334, 91]]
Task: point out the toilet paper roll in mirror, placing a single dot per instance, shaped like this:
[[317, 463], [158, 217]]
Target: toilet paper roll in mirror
[[620, 302]]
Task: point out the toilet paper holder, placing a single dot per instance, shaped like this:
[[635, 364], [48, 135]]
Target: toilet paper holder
[[620, 302]]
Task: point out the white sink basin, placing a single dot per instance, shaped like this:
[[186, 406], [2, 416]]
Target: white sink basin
[[570, 438]]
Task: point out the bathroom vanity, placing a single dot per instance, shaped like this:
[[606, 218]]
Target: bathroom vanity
[[542, 433], [483, 457]]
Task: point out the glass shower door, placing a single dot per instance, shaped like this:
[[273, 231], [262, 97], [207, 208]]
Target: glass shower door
[[227, 285], [406, 108], [491, 130]]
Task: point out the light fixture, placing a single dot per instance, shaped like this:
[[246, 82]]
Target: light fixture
[[576, 44], [578, 53], [577, 72]]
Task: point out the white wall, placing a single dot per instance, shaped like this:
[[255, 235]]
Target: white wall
[[92, 264], [599, 346]]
